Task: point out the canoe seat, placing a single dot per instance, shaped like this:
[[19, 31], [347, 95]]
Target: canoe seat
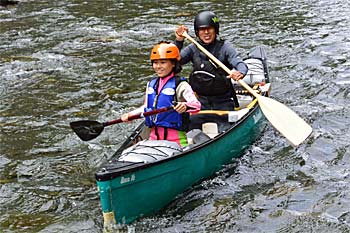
[[148, 151]]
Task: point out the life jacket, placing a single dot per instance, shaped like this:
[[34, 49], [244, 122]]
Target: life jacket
[[208, 79], [165, 98]]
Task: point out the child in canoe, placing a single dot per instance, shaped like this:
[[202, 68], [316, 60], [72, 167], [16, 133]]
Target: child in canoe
[[162, 91]]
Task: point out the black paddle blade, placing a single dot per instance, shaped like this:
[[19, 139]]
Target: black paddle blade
[[87, 130]]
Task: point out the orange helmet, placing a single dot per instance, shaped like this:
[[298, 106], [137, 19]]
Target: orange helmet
[[165, 50]]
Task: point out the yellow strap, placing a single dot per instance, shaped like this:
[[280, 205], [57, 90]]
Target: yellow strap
[[225, 112], [250, 105], [217, 112]]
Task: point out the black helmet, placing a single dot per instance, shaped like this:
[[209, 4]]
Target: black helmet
[[206, 19]]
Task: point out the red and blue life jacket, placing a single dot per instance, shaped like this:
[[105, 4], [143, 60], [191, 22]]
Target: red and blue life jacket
[[165, 98]]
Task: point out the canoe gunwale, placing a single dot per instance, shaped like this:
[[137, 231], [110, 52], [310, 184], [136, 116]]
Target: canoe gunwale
[[105, 174]]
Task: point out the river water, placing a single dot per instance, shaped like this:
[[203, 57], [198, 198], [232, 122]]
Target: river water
[[62, 61]]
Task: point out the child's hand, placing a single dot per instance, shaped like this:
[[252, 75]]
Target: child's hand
[[180, 107]]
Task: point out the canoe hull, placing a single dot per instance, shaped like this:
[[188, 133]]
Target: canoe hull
[[145, 191]]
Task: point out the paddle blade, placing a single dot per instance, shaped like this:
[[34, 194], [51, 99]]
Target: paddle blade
[[287, 122], [87, 130]]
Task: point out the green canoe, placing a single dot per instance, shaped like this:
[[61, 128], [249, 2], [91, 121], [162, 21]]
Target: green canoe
[[130, 189]]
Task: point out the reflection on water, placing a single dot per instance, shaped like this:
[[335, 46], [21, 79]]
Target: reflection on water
[[62, 61]]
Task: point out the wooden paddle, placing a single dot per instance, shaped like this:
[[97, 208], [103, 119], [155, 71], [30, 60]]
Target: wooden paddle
[[287, 122], [88, 130]]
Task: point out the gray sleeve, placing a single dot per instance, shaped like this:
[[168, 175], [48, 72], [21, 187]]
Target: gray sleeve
[[186, 53], [179, 44], [233, 58]]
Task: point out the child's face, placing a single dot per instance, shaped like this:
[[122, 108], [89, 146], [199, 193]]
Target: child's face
[[163, 67]]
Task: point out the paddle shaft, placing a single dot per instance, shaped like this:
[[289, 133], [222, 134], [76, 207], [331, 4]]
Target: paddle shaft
[[87, 130], [218, 62], [138, 116]]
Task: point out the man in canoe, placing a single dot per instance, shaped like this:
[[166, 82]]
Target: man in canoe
[[211, 84], [162, 91]]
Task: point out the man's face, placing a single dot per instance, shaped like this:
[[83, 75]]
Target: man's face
[[207, 34]]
